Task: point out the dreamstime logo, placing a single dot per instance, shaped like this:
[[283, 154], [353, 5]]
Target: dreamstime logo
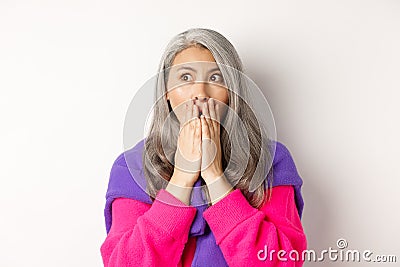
[[341, 243], [326, 254], [148, 107]]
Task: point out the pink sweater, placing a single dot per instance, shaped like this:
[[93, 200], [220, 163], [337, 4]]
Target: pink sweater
[[157, 235]]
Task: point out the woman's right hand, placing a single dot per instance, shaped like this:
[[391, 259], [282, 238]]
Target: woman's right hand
[[188, 152], [187, 155]]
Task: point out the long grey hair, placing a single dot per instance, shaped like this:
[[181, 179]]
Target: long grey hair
[[161, 142]]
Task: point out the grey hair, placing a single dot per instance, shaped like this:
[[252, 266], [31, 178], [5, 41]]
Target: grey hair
[[161, 142]]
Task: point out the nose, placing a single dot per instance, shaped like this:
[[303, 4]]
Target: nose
[[201, 98], [199, 91], [199, 94]]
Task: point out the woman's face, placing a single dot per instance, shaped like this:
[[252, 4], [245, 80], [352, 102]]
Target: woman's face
[[189, 79]]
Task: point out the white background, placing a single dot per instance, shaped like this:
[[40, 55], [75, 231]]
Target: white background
[[69, 69]]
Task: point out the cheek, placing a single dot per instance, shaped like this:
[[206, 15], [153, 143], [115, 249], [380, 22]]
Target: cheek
[[223, 97], [177, 100], [178, 95]]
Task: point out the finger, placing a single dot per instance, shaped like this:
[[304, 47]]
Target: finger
[[217, 111], [205, 110], [197, 135], [192, 121], [205, 132], [195, 111], [207, 118], [188, 113], [211, 104], [190, 109], [193, 125], [213, 115], [184, 106]]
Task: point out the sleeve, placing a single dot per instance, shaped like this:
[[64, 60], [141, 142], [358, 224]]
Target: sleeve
[[147, 236], [254, 237]]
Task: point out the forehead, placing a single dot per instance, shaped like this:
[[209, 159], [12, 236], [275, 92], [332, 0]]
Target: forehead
[[197, 67], [193, 54]]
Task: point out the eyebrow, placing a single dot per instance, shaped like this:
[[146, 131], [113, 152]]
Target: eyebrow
[[192, 69]]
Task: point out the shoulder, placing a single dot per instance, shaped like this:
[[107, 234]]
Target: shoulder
[[284, 169], [131, 157], [284, 173], [283, 159], [127, 177], [281, 153]]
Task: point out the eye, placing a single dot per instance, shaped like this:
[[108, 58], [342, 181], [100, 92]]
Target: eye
[[186, 77], [216, 78]]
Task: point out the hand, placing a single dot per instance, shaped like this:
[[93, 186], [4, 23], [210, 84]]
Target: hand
[[211, 163], [188, 153]]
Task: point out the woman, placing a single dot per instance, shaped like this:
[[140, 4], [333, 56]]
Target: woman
[[208, 199]]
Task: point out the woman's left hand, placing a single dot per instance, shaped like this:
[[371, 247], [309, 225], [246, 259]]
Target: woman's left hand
[[211, 164]]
